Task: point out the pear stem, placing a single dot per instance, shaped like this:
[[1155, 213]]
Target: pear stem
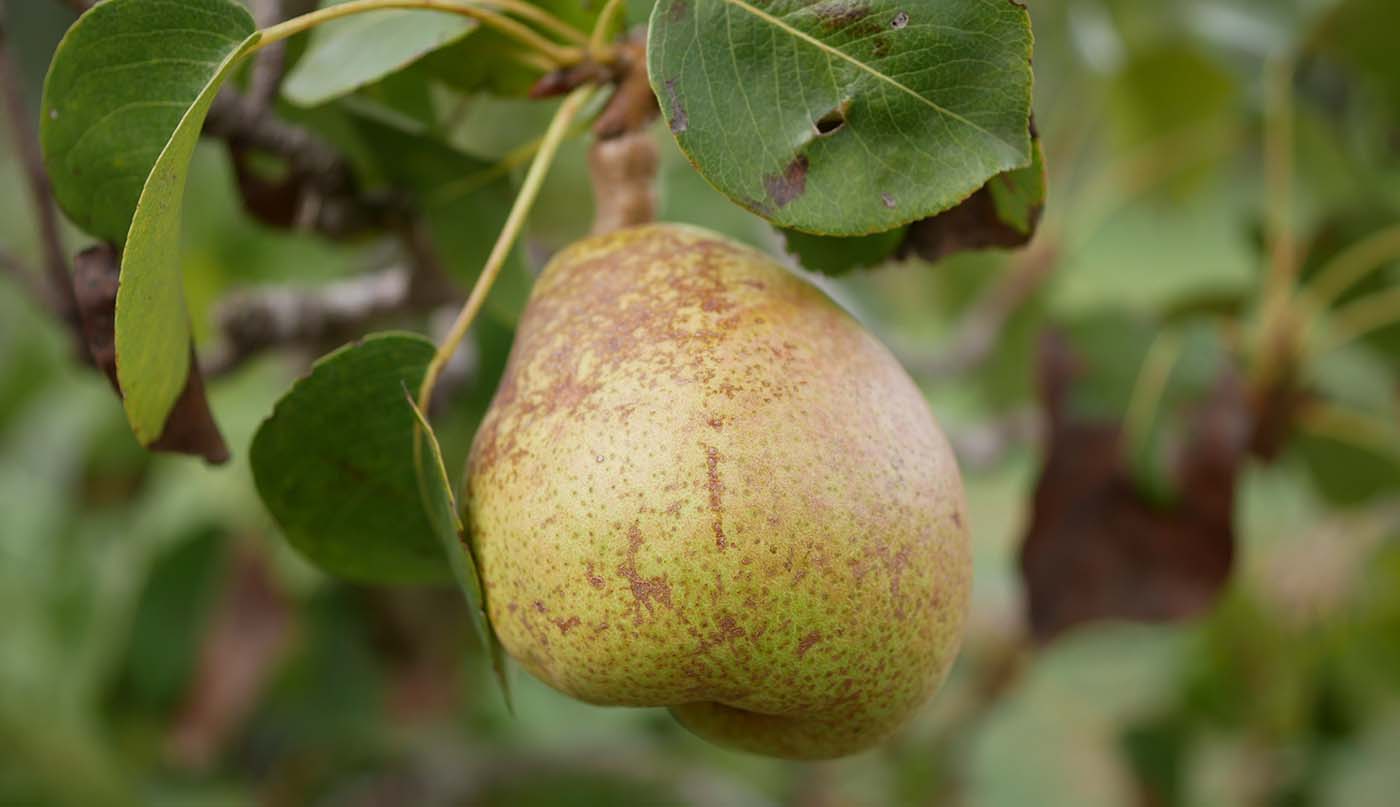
[[557, 54], [529, 191]]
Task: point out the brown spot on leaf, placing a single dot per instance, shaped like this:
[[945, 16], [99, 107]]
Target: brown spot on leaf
[[677, 119], [840, 13], [782, 188], [900, 20], [677, 10]]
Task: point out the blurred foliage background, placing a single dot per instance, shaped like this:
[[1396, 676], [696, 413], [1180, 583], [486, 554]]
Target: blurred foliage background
[[160, 644]]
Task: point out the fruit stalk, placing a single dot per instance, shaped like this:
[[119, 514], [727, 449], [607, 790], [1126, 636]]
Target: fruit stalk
[[529, 191]]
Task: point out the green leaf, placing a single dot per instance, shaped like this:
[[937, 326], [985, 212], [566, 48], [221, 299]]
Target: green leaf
[[347, 54], [835, 256], [123, 80], [334, 464], [845, 117], [124, 101], [441, 507], [1018, 196]]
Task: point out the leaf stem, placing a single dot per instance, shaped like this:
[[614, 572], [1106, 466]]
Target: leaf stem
[[529, 190], [1348, 425], [1362, 318], [541, 17], [1352, 266], [598, 42], [557, 54], [1146, 398], [1277, 335]]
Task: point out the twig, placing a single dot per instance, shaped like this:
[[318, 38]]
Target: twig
[[269, 65], [25, 278], [321, 193], [257, 320], [229, 119], [27, 145]]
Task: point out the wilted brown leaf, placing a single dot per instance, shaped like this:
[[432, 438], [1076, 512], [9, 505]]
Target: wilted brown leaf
[[190, 429], [1097, 547]]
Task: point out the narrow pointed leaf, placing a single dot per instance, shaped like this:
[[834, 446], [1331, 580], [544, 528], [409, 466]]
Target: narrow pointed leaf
[[441, 506], [845, 117]]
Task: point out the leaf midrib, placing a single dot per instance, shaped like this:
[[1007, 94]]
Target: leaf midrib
[[820, 45]]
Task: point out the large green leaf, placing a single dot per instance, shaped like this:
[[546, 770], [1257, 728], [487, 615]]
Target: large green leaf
[[845, 117], [352, 52], [335, 464], [124, 102], [121, 82], [440, 504]]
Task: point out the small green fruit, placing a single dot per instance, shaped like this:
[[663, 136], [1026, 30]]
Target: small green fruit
[[702, 485]]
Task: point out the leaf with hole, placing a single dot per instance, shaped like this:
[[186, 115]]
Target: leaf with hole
[[349, 53], [334, 465], [441, 507], [124, 101], [845, 117]]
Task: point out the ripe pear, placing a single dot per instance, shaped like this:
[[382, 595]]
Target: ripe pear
[[703, 485]]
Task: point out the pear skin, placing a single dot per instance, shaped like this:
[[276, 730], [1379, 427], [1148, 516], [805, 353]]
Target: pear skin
[[702, 485]]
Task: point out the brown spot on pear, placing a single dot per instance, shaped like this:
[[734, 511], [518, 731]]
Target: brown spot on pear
[[633, 345]]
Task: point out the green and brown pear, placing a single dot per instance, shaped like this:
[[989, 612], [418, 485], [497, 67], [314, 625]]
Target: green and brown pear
[[702, 485]]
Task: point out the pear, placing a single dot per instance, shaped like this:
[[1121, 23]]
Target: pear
[[703, 485]]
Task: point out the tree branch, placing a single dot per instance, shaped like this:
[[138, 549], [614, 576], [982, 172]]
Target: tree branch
[[25, 279], [79, 6], [26, 144]]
